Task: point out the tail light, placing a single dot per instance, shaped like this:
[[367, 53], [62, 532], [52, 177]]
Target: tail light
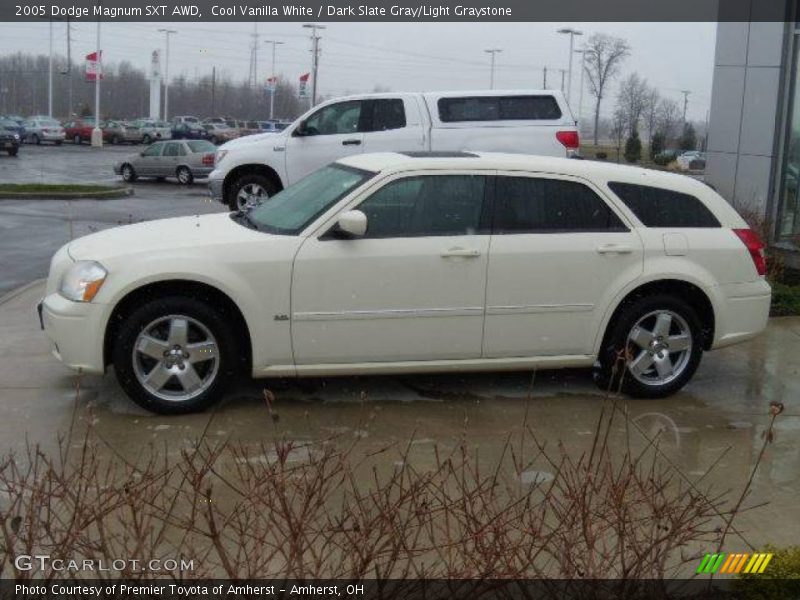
[[208, 160], [755, 247], [569, 139]]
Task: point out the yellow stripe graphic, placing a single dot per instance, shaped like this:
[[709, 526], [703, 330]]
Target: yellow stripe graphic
[[754, 562], [765, 563]]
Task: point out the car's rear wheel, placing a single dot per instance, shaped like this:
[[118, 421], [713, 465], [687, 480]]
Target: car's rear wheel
[[128, 172], [35, 139], [653, 347], [175, 355], [250, 190], [147, 140], [184, 176]]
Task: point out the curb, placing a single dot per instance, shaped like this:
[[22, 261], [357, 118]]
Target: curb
[[9, 296], [109, 194]]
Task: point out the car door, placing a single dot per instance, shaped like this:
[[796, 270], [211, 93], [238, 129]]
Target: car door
[[559, 254], [332, 132], [392, 125], [148, 163], [170, 159], [412, 288]]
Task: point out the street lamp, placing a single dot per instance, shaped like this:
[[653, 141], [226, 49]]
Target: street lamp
[[167, 33], [315, 58], [572, 33], [493, 52], [274, 80], [582, 52]]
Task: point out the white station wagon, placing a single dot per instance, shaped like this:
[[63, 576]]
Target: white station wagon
[[401, 263]]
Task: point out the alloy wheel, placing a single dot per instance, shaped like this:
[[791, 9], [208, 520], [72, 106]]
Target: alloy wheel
[[250, 195], [176, 358], [660, 344]]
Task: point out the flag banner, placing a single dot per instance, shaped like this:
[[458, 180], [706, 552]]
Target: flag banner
[[93, 66], [272, 84], [302, 88]]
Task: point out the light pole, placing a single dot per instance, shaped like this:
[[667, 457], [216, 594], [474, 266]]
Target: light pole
[[493, 52], [167, 33], [582, 52], [572, 33], [50, 76], [314, 59], [274, 80], [97, 133]]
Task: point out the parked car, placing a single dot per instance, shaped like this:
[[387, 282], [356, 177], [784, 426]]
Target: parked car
[[183, 159], [692, 161], [118, 132], [396, 263], [9, 136], [43, 129], [153, 131], [184, 119], [250, 169], [18, 123], [189, 131], [79, 130], [219, 133]]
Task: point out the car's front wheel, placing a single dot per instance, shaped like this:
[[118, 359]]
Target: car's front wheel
[[653, 347], [175, 355]]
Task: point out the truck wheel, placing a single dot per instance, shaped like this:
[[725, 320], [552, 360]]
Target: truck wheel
[[661, 337], [175, 355], [184, 176], [250, 190]]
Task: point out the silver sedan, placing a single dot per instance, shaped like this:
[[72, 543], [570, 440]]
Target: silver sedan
[[183, 159]]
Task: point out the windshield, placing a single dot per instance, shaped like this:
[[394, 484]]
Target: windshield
[[293, 209]]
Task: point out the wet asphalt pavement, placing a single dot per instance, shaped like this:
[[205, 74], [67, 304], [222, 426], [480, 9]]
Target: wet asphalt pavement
[[32, 230], [723, 412]]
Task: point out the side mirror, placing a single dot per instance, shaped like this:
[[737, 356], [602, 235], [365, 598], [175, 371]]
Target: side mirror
[[300, 130], [353, 223]]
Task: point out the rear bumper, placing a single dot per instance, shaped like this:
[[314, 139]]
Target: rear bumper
[[742, 313], [72, 328]]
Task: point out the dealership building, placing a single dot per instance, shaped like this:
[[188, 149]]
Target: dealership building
[[753, 152]]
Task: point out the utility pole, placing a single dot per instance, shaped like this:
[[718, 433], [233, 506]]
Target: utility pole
[[582, 52], [563, 76], [572, 33], [254, 57], [685, 104], [274, 79], [167, 33], [314, 59], [213, 87], [50, 76], [544, 79], [492, 52]]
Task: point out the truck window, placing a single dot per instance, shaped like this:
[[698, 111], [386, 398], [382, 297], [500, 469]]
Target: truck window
[[658, 207], [339, 118], [386, 114], [498, 108]]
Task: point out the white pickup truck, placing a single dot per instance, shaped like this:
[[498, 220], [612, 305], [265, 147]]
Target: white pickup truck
[[250, 169]]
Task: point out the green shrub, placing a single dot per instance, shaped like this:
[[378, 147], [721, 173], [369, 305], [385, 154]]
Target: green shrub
[[601, 155], [688, 140], [785, 302], [781, 579], [657, 143], [633, 148]]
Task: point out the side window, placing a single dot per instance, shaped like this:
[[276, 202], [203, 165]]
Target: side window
[[428, 205], [172, 149], [154, 150], [659, 207], [340, 118], [498, 108], [539, 205], [386, 114]]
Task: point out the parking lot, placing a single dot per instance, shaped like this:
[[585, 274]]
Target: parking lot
[[726, 406]]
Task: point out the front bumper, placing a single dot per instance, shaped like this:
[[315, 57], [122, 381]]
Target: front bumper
[[75, 332], [215, 188]]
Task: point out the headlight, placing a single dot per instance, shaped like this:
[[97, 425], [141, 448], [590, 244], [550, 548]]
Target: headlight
[[82, 281], [16, 136], [219, 156]]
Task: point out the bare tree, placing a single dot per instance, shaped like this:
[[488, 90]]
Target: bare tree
[[604, 55], [650, 113], [619, 123], [631, 101], [669, 115]]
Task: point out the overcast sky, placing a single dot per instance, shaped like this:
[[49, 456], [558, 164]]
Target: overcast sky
[[355, 57]]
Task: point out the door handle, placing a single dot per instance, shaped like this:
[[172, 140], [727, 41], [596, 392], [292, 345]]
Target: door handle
[[351, 143], [614, 249], [461, 252]]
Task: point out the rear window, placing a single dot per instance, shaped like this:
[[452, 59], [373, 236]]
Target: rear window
[[659, 207], [201, 146], [498, 108]]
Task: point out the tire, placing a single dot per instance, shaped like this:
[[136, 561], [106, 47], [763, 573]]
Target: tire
[[655, 367], [189, 377], [184, 176], [128, 173], [35, 139], [147, 140], [58, 142], [250, 189], [13, 151], [77, 140], [114, 140]]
